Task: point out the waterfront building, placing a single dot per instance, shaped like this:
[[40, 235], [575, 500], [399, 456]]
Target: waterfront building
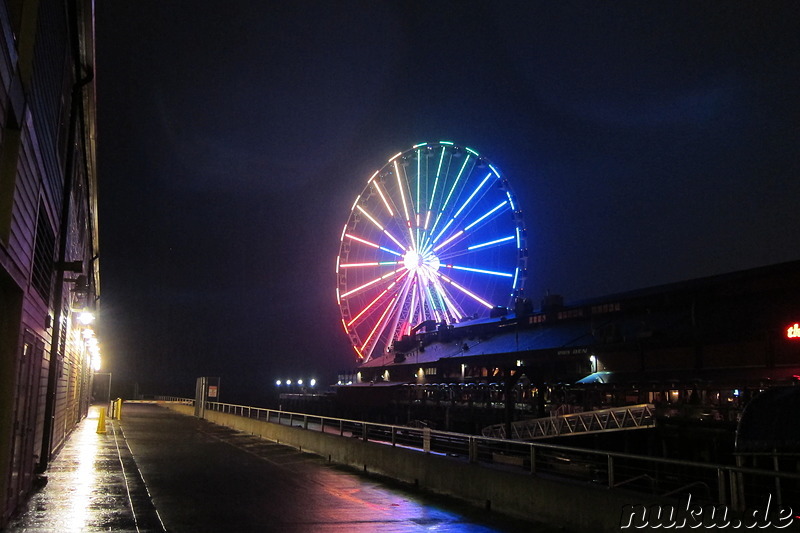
[[49, 270]]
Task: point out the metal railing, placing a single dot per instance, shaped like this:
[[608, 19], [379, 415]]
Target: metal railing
[[735, 487], [600, 421], [171, 399]]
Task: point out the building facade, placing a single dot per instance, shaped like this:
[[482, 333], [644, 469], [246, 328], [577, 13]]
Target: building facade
[[703, 347], [48, 233]]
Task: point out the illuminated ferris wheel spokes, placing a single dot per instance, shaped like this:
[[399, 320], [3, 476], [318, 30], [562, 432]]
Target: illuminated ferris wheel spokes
[[435, 236]]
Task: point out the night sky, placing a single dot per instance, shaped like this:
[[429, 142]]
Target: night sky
[[647, 143]]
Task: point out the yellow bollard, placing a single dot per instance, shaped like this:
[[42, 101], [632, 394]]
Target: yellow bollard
[[119, 408], [101, 422]]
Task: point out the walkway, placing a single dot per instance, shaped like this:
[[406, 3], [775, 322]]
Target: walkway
[[157, 471]]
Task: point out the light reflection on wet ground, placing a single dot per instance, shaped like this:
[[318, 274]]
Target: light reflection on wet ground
[[88, 487], [207, 478]]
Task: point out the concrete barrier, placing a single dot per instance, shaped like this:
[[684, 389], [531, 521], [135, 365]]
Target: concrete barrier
[[574, 506]]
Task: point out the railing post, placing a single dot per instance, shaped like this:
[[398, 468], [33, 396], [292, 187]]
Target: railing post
[[533, 459], [610, 472], [776, 464], [291, 419], [322, 424], [473, 450], [305, 421], [734, 490], [394, 435], [364, 431]]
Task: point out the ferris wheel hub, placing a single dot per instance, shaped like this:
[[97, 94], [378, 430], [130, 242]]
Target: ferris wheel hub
[[413, 261]]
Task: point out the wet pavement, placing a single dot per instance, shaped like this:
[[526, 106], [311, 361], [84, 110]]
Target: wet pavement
[[156, 470], [93, 484]]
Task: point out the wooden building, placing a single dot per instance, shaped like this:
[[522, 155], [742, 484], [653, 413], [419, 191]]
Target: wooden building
[[48, 232]]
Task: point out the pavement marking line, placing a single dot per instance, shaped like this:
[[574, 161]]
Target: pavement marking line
[[125, 476]]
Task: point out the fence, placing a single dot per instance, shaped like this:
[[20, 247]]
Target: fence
[[735, 487]]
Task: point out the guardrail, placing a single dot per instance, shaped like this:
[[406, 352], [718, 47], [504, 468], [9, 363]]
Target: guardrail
[[172, 399], [735, 487]]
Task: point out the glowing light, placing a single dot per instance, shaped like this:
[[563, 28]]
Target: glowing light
[[471, 196], [473, 152], [379, 322], [419, 179], [278, 383], [444, 229], [85, 318], [385, 202], [490, 243], [368, 243], [468, 293], [402, 193], [510, 201], [350, 265], [453, 188], [373, 302], [451, 239], [313, 382], [412, 260], [436, 182], [368, 284], [364, 212], [480, 271], [394, 240], [793, 332], [487, 214]]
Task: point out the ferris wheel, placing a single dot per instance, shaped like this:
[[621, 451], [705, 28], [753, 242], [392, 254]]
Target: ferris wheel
[[436, 238]]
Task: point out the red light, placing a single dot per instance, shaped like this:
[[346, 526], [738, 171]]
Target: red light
[[793, 332]]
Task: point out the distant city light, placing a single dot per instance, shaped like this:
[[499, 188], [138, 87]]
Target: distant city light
[[313, 382], [288, 381], [278, 383], [299, 381]]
